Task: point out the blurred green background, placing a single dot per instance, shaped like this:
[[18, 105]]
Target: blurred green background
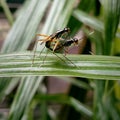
[[90, 91]]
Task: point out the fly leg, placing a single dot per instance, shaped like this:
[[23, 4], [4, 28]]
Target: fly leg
[[46, 38]]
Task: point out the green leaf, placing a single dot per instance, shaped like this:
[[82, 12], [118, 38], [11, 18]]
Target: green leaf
[[24, 29], [75, 82], [85, 6], [66, 14], [23, 96], [63, 99], [112, 17], [89, 66], [6, 9], [88, 20]]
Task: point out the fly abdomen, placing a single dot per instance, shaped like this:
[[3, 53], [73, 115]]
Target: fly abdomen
[[48, 45]]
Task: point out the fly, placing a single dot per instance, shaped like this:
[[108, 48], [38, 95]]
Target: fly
[[62, 44], [49, 39]]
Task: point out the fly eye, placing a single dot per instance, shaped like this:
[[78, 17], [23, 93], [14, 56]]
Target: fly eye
[[75, 40]]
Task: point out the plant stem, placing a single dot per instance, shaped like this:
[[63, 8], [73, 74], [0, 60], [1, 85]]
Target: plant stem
[[7, 11]]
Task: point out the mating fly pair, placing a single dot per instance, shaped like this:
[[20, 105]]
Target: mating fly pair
[[56, 42]]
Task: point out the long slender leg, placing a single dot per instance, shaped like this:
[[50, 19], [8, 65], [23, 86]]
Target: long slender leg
[[56, 44], [64, 55], [44, 35], [34, 53], [41, 53], [46, 54], [69, 60], [59, 57], [44, 59], [36, 42], [65, 51], [47, 38], [63, 59]]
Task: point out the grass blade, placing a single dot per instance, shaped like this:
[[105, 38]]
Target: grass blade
[[112, 17], [60, 98], [87, 66], [88, 20]]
